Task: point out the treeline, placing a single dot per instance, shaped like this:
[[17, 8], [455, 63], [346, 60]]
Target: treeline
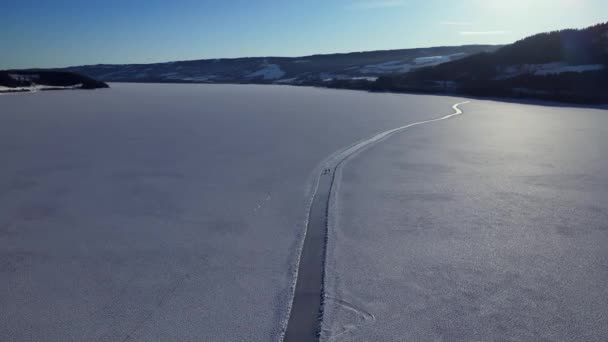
[[7, 81], [586, 46], [585, 87], [48, 78]]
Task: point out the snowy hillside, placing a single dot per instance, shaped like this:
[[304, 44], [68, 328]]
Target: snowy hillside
[[283, 70]]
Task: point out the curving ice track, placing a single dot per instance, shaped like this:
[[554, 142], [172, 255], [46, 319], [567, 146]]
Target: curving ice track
[[306, 310], [335, 160]]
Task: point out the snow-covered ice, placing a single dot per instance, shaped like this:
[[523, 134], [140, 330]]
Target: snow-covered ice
[[154, 212], [151, 212], [489, 226]]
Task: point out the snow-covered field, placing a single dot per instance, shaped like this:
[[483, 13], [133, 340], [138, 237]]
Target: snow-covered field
[[491, 226], [268, 72], [387, 67], [404, 67], [167, 212]]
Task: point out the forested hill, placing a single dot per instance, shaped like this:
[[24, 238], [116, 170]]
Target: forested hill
[[28, 80], [305, 70], [568, 65]]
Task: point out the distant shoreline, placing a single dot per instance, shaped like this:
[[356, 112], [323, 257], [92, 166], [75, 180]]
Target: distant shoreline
[[516, 100], [522, 100]]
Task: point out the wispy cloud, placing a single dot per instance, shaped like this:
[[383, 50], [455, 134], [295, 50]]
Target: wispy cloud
[[376, 4], [456, 23], [484, 33]]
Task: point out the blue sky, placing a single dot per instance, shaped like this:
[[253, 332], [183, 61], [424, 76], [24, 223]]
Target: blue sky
[[60, 33]]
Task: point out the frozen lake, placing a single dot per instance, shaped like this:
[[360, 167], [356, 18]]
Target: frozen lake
[[167, 212], [492, 226], [177, 212]]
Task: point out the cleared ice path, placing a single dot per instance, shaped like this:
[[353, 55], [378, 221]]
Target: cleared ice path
[[306, 311]]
